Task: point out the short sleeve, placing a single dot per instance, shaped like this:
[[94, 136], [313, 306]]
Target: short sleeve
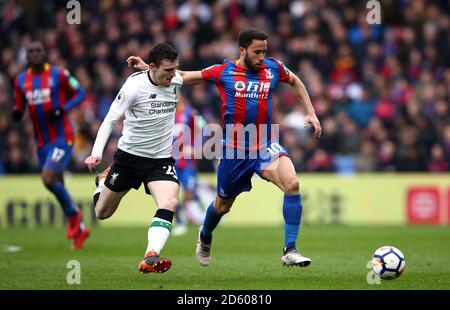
[[68, 81], [212, 73], [283, 72]]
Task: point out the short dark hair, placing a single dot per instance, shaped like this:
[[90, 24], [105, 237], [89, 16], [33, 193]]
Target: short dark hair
[[246, 36], [161, 52]]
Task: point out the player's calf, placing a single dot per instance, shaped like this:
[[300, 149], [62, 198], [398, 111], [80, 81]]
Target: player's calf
[[99, 183]]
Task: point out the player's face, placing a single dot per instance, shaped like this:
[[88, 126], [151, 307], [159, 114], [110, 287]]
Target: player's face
[[35, 54], [254, 54], [165, 72]]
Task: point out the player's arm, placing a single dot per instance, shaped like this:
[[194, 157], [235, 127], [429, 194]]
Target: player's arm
[[103, 134], [189, 77], [120, 104], [137, 63], [300, 91], [73, 87], [19, 102]]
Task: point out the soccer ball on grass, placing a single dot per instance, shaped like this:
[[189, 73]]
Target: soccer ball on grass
[[388, 262]]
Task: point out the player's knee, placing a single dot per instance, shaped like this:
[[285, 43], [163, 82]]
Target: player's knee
[[292, 186], [48, 180], [101, 213], [222, 208], [169, 203]]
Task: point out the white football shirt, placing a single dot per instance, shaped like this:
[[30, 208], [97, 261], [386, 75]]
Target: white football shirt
[[149, 112]]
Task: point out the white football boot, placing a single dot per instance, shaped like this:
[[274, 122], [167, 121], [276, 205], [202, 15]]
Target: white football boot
[[203, 251], [292, 257]]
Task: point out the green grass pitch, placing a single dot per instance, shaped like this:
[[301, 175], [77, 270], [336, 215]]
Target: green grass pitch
[[242, 258]]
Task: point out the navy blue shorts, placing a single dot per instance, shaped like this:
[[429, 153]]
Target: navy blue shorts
[[55, 156], [234, 175]]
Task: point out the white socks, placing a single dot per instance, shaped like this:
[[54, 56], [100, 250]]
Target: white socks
[[158, 233]]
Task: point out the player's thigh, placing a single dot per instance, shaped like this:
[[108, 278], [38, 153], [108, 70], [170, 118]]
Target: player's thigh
[[282, 173], [109, 200], [165, 193], [161, 181]]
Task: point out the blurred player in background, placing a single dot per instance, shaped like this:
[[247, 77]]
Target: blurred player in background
[[144, 154], [49, 93], [189, 209], [245, 87]]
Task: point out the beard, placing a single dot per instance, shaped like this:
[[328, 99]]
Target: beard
[[249, 64]]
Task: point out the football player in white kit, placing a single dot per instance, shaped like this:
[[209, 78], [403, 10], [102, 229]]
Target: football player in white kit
[[144, 155]]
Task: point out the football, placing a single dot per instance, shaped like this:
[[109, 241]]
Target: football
[[388, 262]]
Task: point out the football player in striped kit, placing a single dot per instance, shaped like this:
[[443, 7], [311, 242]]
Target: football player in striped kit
[[49, 93]]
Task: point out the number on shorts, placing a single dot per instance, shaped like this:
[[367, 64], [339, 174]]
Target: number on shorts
[[58, 154], [171, 171], [275, 148]]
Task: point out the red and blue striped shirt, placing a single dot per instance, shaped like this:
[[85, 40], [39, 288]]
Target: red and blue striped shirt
[[41, 92], [247, 100]]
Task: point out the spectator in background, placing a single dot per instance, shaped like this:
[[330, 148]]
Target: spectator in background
[[438, 162]]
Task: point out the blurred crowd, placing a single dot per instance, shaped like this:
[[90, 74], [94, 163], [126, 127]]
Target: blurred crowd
[[381, 91]]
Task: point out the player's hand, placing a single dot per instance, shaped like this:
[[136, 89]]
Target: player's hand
[[136, 62], [313, 120], [92, 162], [55, 114]]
